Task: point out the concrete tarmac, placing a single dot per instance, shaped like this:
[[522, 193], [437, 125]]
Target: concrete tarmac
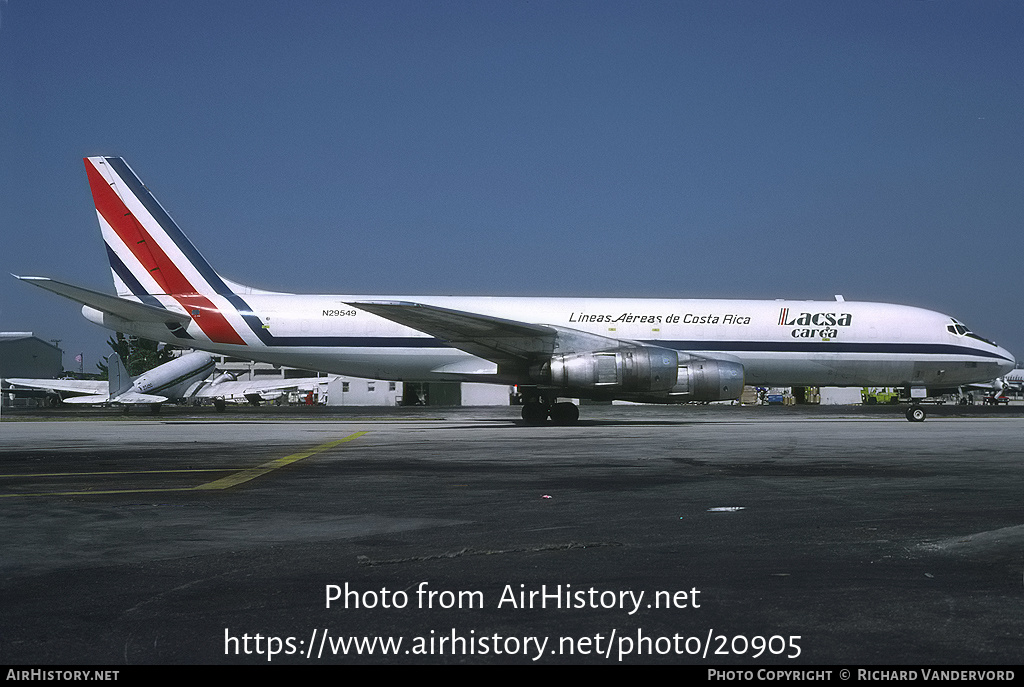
[[720, 535]]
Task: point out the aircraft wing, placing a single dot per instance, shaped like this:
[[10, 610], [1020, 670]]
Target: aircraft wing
[[491, 338], [229, 389], [71, 386], [129, 310]]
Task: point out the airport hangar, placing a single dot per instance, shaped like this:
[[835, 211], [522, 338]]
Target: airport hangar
[[24, 355]]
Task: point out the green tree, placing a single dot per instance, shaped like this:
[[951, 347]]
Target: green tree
[[138, 355]]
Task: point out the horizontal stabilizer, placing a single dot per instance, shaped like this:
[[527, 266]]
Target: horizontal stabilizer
[[135, 397], [97, 398], [129, 310], [129, 398]]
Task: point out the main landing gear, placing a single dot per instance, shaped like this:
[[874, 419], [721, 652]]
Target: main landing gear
[[537, 410], [916, 414]]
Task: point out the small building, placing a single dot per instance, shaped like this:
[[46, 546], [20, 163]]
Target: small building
[[336, 390], [354, 391], [24, 355]]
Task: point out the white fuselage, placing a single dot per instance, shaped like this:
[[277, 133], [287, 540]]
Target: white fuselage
[[779, 343], [173, 379]]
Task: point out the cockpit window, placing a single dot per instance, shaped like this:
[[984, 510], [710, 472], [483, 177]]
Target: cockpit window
[[981, 338], [960, 329]]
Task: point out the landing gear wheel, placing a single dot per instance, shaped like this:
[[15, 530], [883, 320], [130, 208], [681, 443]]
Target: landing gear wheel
[[916, 414], [565, 414], [535, 413]]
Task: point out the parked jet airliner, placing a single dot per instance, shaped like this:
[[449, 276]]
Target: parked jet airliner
[[648, 350]]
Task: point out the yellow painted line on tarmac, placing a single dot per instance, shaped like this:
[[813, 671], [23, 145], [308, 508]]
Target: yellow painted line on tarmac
[[96, 492], [110, 472], [253, 473], [235, 479]]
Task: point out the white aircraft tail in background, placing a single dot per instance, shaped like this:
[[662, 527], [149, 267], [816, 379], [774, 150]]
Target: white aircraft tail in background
[[647, 350], [171, 381]]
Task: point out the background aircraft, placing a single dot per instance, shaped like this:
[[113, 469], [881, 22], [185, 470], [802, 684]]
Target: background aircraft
[[180, 380], [1014, 379], [171, 381], [648, 350]]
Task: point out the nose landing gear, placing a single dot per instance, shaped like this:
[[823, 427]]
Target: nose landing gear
[[916, 414]]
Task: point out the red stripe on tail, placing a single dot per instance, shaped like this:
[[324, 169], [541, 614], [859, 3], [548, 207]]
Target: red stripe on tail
[[153, 258]]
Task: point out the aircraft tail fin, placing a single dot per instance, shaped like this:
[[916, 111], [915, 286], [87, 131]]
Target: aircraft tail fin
[[154, 262], [149, 254], [117, 376]]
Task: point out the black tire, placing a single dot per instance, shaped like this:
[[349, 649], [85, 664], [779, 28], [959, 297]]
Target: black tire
[[565, 413], [535, 413], [916, 414]]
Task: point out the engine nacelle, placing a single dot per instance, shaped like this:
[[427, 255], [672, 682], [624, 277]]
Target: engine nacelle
[[630, 369], [110, 321], [702, 379]]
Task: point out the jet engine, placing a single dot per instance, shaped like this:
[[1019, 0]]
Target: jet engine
[[704, 379], [634, 369], [642, 373]]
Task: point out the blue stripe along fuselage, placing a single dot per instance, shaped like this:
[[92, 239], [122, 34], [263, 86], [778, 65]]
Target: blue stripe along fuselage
[[801, 347], [823, 347]]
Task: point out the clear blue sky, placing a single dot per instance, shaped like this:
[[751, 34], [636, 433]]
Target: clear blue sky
[[735, 149]]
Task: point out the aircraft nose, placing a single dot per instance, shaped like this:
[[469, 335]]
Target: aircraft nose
[[1007, 363]]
